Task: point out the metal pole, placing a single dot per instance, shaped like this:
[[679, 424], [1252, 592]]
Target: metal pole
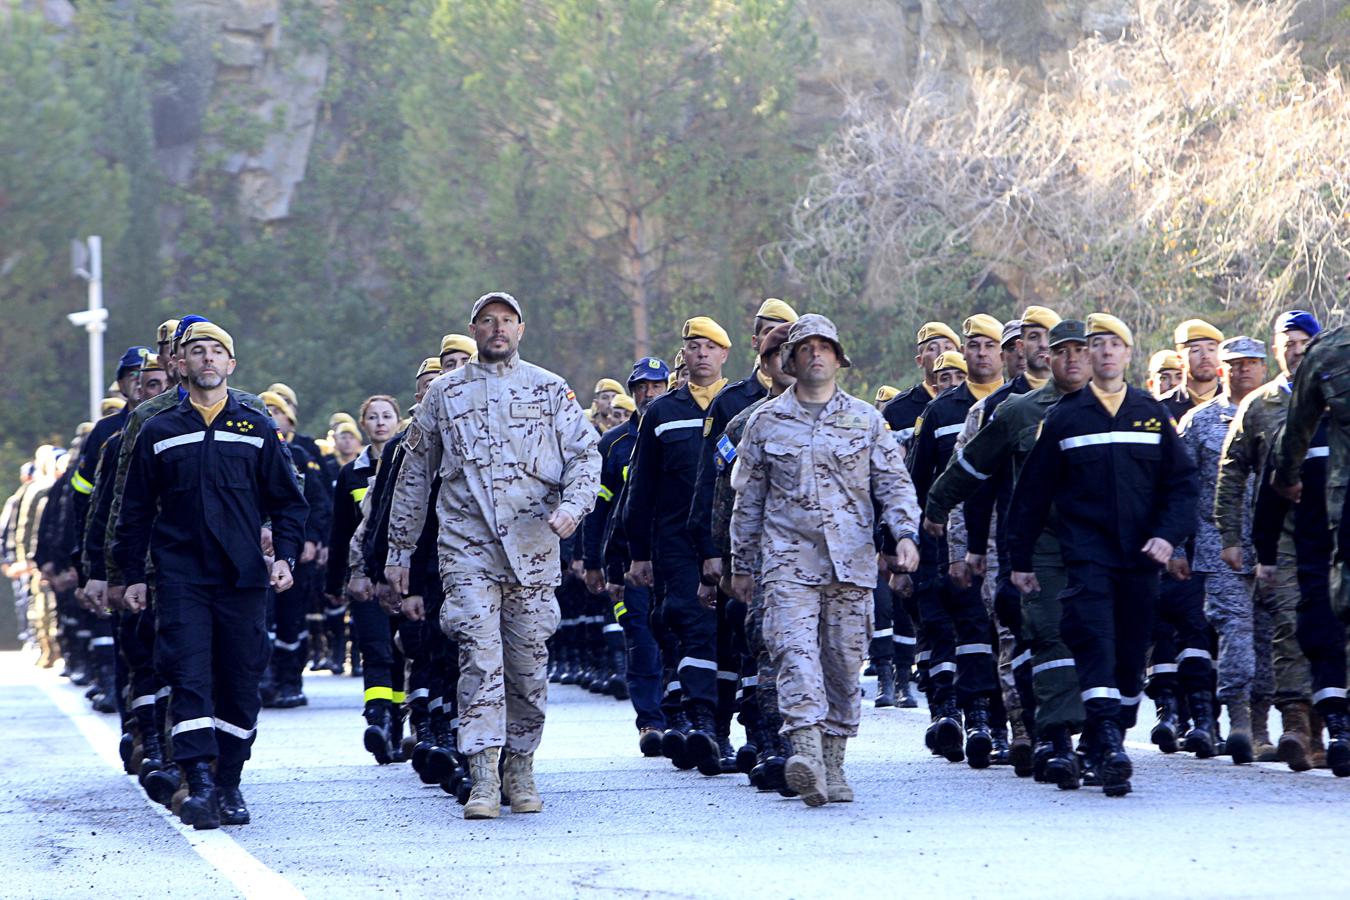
[[95, 326]]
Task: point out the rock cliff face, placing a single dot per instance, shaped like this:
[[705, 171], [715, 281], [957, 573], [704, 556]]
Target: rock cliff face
[[240, 65]]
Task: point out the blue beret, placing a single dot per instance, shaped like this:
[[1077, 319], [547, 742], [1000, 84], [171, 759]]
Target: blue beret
[[649, 368], [132, 359], [183, 324], [1298, 319]]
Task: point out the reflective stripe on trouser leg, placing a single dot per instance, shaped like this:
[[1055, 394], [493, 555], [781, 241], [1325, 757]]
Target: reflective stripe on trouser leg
[[503, 682], [817, 637]]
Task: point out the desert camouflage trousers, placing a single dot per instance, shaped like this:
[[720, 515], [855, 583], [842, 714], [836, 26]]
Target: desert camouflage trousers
[[501, 628], [817, 636]]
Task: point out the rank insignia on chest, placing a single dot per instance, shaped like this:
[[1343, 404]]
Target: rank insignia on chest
[[526, 411], [851, 421]]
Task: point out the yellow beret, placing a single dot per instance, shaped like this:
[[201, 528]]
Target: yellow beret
[[623, 401], [164, 334], [932, 330], [459, 343], [274, 399], [209, 331], [704, 327], [1163, 360], [886, 393], [983, 325], [671, 381], [1105, 323], [111, 405], [341, 417], [1040, 315], [83, 428], [608, 384], [952, 359], [777, 310], [1195, 330], [285, 391], [150, 362], [430, 364], [346, 428], [679, 360]]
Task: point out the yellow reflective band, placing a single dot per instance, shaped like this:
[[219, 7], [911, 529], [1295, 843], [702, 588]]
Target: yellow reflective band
[[359, 494], [620, 610], [606, 494], [625, 473], [81, 484], [398, 696], [379, 693]]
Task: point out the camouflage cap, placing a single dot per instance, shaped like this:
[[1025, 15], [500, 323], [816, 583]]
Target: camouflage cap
[[809, 326], [1241, 347], [1012, 330]]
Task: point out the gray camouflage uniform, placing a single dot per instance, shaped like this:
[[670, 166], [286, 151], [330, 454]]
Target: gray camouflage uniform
[[804, 508], [511, 446], [1244, 664]]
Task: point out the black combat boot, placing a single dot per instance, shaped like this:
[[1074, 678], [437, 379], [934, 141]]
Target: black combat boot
[[571, 673], [947, 734], [649, 741], [440, 757], [105, 701], [1200, 740], [424, 741], [701, 743], [617, 687], [379, 729], [979, 741], [1338, 742], [1061, 768], [401, 748], [152, 748], [909, 695], [233, 810], [885, 684], [1041, 755], [674, 742], [1113, 769], [201, 809], [1001, 755], [1167, 733]]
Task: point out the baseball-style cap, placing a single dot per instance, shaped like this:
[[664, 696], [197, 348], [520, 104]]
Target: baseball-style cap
[[649, 368], [496, 297], [1068, 331], [1242, 347]]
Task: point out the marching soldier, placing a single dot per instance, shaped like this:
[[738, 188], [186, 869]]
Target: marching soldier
[[1110, 465], [202, 478], [1247, 449], [1197, 343], [1244, 659], [1043, 666], [519, 470], [807, 469]]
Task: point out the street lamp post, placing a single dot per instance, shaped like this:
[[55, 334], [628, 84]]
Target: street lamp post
[[87, 263]]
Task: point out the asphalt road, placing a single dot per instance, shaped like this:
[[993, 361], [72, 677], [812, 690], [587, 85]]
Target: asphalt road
[[328, 823]]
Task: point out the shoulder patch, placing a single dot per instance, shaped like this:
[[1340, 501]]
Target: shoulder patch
[[413, 438], [726, 451], [707, 426], [918, 425], [571, 394]]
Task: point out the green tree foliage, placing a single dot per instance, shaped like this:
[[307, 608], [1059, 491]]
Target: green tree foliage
[[614, 165], [56, 183]]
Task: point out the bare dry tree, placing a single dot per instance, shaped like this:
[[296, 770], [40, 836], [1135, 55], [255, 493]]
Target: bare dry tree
[[1191, 164]]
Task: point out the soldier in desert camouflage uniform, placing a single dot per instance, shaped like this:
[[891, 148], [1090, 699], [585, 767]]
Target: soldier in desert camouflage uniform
[[519, 468], [810, 463]]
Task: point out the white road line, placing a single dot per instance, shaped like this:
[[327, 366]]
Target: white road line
[[217, 848]]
